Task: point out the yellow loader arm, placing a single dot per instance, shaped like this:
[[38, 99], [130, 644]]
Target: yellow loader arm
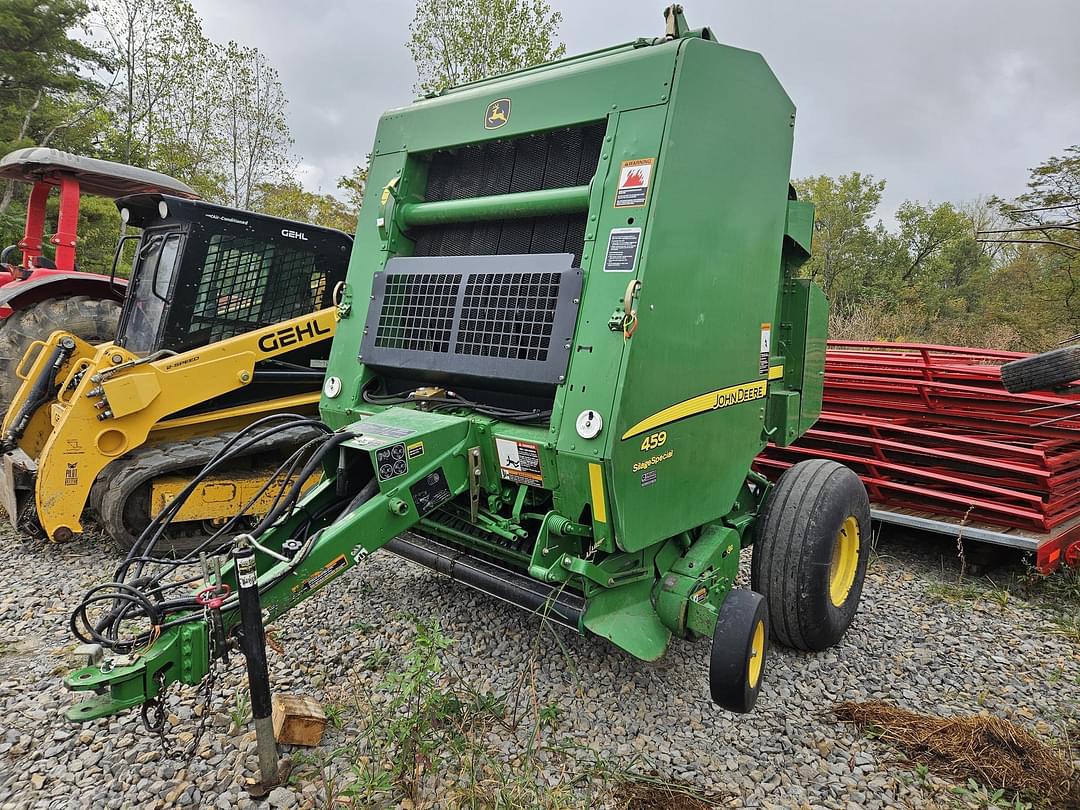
[[110, 402]]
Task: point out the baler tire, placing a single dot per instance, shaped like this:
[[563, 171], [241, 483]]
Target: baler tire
[[739, 651], [1049, 370], [810, 553], [91, 319]]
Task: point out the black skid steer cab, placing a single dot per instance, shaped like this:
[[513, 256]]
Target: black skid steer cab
[[227, 320]]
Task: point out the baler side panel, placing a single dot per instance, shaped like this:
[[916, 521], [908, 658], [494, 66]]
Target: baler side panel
[[813, 378], [368, 256], [710, 278], [598, 356]]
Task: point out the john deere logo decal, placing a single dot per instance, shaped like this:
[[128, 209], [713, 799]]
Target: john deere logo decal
[[498, 113]]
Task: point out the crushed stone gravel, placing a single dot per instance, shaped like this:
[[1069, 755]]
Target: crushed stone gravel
[[907, 646]]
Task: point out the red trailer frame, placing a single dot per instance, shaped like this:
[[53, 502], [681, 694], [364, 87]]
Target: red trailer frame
[[942, 446]]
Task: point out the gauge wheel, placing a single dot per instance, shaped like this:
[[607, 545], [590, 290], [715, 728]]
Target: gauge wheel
[[739, 649]]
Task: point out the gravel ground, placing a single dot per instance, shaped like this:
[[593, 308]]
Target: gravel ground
[[909, 645]]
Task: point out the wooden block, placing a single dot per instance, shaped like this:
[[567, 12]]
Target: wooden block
[[298, 720]]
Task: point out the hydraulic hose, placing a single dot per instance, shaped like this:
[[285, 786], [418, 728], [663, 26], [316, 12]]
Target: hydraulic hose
[[43, 389]]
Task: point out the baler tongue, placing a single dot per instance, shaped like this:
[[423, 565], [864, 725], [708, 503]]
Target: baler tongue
[[398, 466]]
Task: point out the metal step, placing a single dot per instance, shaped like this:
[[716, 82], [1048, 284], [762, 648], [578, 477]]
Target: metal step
[[554, 602]]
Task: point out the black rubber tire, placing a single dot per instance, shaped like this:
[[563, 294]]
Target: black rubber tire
[[797, 533], [92, 319], [730, 681], [1053, 369]]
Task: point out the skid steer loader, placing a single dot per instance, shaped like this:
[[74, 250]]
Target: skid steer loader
[[227, 321]]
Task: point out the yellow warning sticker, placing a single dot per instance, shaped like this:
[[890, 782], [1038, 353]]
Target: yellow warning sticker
[[634, 179]]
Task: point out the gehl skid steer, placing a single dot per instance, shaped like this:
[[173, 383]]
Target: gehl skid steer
[[227, 321], [571, 321]]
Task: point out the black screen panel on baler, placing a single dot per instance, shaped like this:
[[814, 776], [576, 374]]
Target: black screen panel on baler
[[557, 159], [488, 322]]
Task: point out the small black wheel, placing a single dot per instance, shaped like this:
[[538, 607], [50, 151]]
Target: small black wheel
[[739, 648], [810, 552], [1053, 369]]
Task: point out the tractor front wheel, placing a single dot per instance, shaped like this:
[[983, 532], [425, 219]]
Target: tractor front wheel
[[810, 552], [92, 319], [740, 643]]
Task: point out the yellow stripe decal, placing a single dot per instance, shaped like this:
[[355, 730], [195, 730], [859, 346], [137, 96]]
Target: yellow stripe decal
[[712, 401], [596, 483], [776, 372]]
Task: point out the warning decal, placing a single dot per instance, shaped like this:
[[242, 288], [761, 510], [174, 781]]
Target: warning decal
[[766, 343], [430, 492], [519, 462], [622, 250], [634, 178]]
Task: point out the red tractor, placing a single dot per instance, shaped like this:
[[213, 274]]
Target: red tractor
[[39, 295]]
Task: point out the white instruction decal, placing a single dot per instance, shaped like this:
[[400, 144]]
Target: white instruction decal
[[766, 343], [622, 250]]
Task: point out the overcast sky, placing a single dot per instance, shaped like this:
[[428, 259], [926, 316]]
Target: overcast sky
[[944, 99]]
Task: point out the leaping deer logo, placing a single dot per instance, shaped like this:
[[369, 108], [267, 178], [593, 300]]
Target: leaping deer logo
[[498, 113]]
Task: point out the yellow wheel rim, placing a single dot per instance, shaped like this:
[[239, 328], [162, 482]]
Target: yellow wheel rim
[[757, 655], [845, 561]]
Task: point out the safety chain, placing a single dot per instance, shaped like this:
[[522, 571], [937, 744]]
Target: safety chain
[[154, 718], [203, 697]]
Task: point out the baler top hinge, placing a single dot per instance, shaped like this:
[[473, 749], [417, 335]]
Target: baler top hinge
[[675, 21]]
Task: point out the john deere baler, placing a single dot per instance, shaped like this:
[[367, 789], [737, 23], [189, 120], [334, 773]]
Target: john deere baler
[[572, 319]]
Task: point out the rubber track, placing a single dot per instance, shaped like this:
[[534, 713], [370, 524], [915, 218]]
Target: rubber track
[[125, 477]]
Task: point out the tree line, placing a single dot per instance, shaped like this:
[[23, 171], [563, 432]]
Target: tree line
[[138, 81], [992, 273]]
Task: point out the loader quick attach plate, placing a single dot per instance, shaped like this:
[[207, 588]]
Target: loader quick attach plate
[[509, 318]]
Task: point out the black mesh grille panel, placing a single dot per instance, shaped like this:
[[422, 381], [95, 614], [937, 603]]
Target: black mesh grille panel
[[417, 311], [508, 315], [494, 322], [557, 159], [247, 283]]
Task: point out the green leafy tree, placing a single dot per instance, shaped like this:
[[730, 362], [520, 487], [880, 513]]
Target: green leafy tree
[[846, 245], [289, 200], [1037, 288], [458, 41], [210, 114], [256, 131], [353, 186], [45, 92]]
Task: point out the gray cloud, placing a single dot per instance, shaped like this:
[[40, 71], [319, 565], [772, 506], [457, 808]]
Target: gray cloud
[[945, 99]]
